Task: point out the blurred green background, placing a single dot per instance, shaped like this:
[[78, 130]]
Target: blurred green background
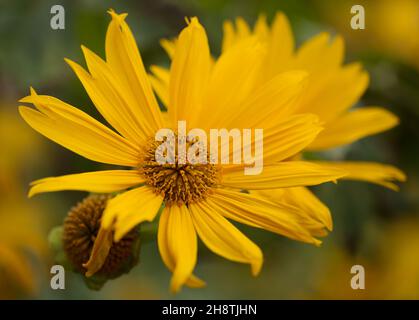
[[374, 227]]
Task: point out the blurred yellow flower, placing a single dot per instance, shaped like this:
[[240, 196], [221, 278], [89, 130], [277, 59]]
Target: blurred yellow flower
[[391, 267], [198, 199], [22, 240], [329, 92], [391, 27], [399, 261]]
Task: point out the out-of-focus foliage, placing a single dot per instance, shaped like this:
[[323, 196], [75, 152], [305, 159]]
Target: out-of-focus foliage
[[373, 226]]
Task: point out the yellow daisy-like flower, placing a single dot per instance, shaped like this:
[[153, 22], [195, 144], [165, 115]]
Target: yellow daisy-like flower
[[21, 234], [392, 29], [197, 200], [331, 89]]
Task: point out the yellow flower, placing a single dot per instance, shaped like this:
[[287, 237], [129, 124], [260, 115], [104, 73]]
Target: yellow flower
[[21, 234], [391, 266], [390, 29], [331, 89], [197, 200]]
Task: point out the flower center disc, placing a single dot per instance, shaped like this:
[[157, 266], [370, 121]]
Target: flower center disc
[[178, 183]]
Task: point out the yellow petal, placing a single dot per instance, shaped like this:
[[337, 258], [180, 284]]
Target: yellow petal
[[98, 181], [169, 46], [56, 109], [381, 174], [100, 250], [178, 246], [124, 59], [160, 82], [318, 55], [107, 103], [285, 137], [131, 208], [189, 73], [265, 105], [290, 136], [261, 29], [81, 134], [353, 126], [220, 236], [282, 175], [166, 254], [280, 47], [243, 29], [329, 94], [136, 121], [258, 212], [229, 36], [303, 199], [225, 94], [162, 73]]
